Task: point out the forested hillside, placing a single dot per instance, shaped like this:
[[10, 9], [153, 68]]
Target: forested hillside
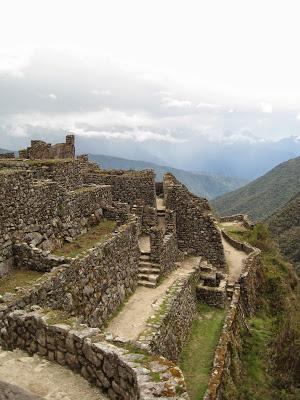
[[265, 195]]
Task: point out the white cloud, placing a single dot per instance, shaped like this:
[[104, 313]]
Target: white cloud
[[208, 106], [171, 102], [52, 96], [93, 124], [101, 92], [13, 63], [265, 107], [138, 135]]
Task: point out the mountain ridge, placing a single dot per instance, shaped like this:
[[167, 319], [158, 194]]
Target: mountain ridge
[[265, 195], [203, 184], [284, 225]]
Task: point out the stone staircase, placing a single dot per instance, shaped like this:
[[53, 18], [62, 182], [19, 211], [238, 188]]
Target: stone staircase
[[148, 271], [229, 290], [212, 285]]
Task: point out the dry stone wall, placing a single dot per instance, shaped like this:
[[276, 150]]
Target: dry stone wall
[[245, 300], [46, 151], [164, 250], [250, 280], [7, 155], [93, 286], [196, 230], [103, 364], [132, 187], [240, 218], [169, 327], [35, 259], [42, 212], [124, 374], [228, 351]]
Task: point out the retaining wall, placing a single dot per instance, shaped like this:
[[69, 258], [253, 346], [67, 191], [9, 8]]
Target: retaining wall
[[195, 226], [125, 374], [238, 217], [169, 327], [132, 187], [245, 300], [96, 284], [164, 250], [42, 212]]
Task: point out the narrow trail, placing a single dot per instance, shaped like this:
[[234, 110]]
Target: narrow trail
[[44, 378], [233, 257], [131, 320]]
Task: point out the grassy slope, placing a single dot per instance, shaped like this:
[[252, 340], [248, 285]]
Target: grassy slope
[[262, 197], [96, 234], [285, 226], [197, 355], [271, 354], [205, 185], [18, 278]]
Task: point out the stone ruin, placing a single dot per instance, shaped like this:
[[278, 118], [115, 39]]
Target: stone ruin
[[40, 150], [47, 203]]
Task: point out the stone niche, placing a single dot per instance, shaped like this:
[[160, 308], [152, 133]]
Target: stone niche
[[40, 150]]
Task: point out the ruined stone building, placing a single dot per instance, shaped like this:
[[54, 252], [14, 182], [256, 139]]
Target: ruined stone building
[[157, 232]]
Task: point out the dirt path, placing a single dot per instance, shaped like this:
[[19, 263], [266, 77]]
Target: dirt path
[[144, 243], [160, 203], [233, 256], [131, 320], [44, 378]]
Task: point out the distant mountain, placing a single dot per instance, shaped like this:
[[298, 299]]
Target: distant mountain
[[3, 151], [205, 185], [285, 227], [264, 196]]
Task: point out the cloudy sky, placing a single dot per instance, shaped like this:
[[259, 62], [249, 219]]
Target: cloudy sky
[[154, 76]]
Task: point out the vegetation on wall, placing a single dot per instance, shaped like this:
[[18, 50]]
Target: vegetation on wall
[[271, 353]]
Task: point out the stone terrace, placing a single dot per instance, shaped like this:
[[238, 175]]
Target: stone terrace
[[117, 313]]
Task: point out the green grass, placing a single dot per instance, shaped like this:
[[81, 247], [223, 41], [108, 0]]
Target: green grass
[[18, 278], [270, 358], [197, 355], [58, 317], [96, 234], [258, 383]]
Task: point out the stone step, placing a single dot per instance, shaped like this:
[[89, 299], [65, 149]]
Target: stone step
[[145, 257], [145, 253], [151, 278], [149, 270], [148, 284], [148, 264], [161, 213], [229, 292]]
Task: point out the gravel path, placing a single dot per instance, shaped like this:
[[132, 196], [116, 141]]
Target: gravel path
[[40, 377], [233, 257], [131, 320]]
